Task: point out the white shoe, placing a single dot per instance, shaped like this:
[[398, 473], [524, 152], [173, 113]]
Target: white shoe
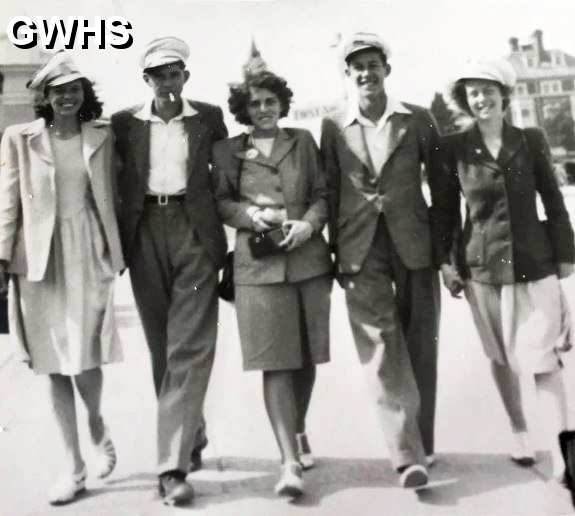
[[413, 476], [106, 455], [522, 452], [67, 488], [304, 451], [290, 483]]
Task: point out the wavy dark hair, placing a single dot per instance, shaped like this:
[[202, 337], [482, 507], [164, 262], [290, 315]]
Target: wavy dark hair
[[459, 95], [90, 109], [240, 94]]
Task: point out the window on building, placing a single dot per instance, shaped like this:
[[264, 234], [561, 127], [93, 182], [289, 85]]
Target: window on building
[[558, 60], [567, 85], [529, 62], [531, 88], [556, 87], [520, 89], [525, 113]]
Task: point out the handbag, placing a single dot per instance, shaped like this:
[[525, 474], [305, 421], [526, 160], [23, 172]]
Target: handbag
[[266, 243], [226, 284]]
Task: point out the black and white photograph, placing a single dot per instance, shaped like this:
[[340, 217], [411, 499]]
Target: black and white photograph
[[287, 257]]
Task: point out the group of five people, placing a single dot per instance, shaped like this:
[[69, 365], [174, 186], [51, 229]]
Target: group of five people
[[81, 201]]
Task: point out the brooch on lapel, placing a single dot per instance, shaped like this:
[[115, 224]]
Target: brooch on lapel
[[251, 153], [478, 151]]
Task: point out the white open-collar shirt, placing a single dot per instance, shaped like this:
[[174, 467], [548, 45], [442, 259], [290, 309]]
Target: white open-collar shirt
[[376, 133], [168, 150]]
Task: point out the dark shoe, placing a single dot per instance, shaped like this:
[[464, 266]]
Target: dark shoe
[[196, 456], [522, 452], [174, 489], [412, 476], [567, 444]]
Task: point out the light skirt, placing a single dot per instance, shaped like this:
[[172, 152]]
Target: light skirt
[[522, 325], [65, 323]]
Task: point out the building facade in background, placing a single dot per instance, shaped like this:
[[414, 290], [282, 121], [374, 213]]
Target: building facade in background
[[544, 95], [16, 68]]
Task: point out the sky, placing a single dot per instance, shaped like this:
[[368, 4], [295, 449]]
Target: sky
[[429, 40]]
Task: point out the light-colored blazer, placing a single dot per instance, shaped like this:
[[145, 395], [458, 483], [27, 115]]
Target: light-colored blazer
[[295, 161], [28, 194], [357, 197]]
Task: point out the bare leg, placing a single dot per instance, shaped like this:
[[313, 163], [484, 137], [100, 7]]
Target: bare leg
[[62, 399], [553, 400], [89, 385], [509, 388], [281, 409], [303, 382]]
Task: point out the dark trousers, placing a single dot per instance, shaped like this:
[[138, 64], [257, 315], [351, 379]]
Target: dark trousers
[[174, 283]]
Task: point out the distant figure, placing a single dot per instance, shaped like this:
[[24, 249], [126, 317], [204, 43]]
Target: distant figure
[[174, 244], [270, 182], [506, 260], [381, 233], [59, 241]]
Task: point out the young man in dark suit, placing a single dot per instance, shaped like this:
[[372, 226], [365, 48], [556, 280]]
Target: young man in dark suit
[[381, 232], [174, 244]]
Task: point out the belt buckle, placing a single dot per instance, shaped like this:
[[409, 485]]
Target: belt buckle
[[163, 200]]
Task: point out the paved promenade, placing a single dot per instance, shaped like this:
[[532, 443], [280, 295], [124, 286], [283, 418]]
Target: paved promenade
[[473, 475]]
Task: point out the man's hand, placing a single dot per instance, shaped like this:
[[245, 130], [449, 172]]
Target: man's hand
[[298, 232], [452, 280]]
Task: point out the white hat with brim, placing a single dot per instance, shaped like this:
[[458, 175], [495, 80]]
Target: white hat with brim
[[60, 69], [497, 70], [163, 51], [364, 41]]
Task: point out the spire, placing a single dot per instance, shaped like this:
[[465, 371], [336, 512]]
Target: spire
[[255, 63]]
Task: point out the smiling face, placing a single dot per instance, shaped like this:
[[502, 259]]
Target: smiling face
[[66, 99], [484, 98], [367, 70], [264, 109], [167, 79]]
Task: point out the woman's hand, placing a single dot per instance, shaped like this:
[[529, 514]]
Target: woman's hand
[[564, 270], [273, 216], [452, 280], [259, 222], [298, 232]]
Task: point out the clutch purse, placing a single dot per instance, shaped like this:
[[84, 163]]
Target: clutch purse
[[266, 243]]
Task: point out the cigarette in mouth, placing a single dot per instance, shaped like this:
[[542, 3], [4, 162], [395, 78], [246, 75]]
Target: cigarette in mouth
[[172, 98]]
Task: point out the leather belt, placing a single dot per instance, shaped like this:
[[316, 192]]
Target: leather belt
[[164, 200]]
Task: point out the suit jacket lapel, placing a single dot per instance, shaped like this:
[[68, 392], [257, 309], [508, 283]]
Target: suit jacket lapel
[[140, 142], [39, 141], [511, 143], [195, 130], [476, 151], [92, 138], [354, 139], [282, 145], [397, 130]]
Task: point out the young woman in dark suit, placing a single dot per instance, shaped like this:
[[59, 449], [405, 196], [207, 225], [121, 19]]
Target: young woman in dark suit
[[509, 262]]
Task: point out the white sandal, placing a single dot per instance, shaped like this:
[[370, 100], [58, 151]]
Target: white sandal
[[106, 455], [304, 451], [522, 452], [67, 488], [290, 483]]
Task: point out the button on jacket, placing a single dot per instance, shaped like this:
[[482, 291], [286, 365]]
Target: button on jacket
[[503, 240]]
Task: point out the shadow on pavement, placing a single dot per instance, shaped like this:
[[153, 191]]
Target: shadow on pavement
[[454, 476]]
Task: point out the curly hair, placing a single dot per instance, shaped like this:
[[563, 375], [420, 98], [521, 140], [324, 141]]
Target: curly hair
[[459, 95], [240, 95], [90, 109]]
